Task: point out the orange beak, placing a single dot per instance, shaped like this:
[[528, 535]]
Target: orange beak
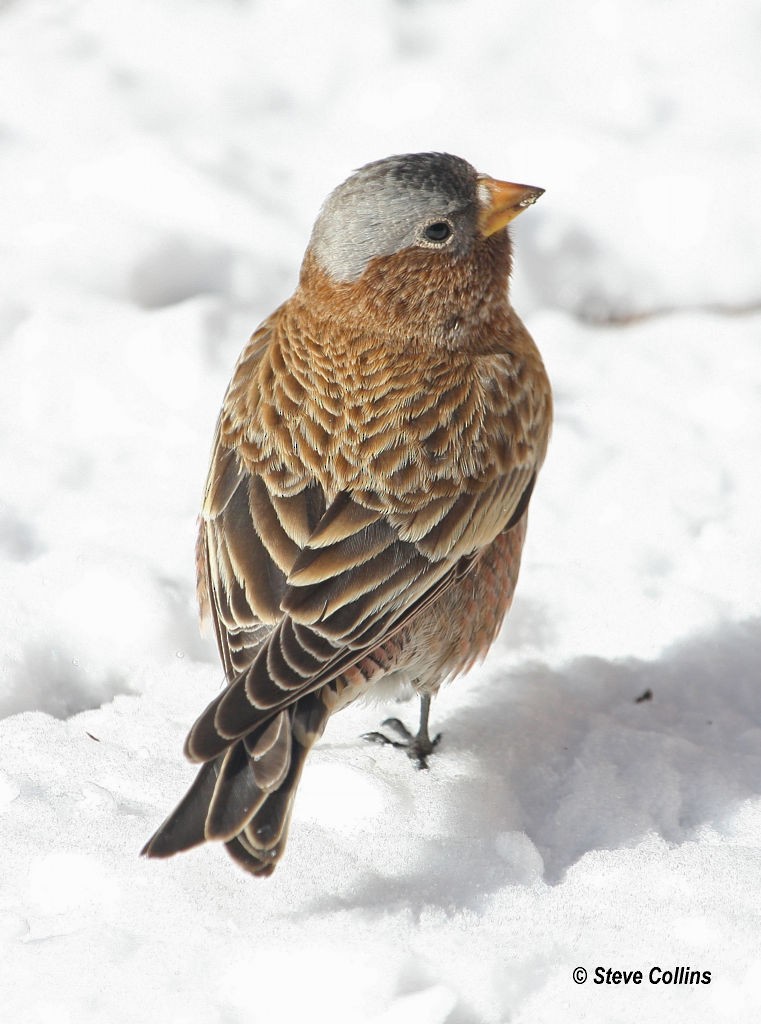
[[501, 202]]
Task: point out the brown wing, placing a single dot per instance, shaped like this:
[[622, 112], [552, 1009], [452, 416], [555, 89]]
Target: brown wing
[[245, 554], [290, 618], [247, 539], [301, 588]]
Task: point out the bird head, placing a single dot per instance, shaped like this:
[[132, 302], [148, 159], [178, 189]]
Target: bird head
[[417, 237]]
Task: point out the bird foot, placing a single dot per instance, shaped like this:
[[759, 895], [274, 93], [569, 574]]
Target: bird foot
[[416, 747]]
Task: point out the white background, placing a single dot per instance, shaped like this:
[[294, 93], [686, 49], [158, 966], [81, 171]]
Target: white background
[[160, 168]]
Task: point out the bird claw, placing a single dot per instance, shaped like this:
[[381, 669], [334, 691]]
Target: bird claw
[[417, 748], [397, 725]]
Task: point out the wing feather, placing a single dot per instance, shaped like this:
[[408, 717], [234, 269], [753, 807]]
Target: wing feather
[[301, 588]]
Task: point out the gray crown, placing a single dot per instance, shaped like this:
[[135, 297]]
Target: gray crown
[[383, 207]]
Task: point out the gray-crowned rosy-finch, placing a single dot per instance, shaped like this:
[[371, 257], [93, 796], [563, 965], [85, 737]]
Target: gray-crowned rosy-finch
[[366, 504]]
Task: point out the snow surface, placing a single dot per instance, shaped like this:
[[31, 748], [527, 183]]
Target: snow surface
[[161, 165]]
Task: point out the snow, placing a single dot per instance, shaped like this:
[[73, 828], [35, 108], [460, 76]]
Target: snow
[[161, 166]]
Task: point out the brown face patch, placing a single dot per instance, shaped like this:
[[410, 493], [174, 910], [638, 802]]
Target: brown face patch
[[416, 298]]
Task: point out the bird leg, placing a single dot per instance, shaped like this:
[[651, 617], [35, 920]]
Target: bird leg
[[417, 747]]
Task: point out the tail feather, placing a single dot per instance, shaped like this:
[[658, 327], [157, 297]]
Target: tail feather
[[260, 864], [270, 752], [184, 828], [236, 796], [245, 796]]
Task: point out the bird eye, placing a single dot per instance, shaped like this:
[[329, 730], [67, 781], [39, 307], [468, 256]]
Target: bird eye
[[439, 231]]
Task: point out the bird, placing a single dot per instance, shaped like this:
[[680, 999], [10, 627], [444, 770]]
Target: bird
[[366, 503]]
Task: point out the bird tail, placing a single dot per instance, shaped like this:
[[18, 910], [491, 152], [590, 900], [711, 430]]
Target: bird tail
[[244, 797]]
